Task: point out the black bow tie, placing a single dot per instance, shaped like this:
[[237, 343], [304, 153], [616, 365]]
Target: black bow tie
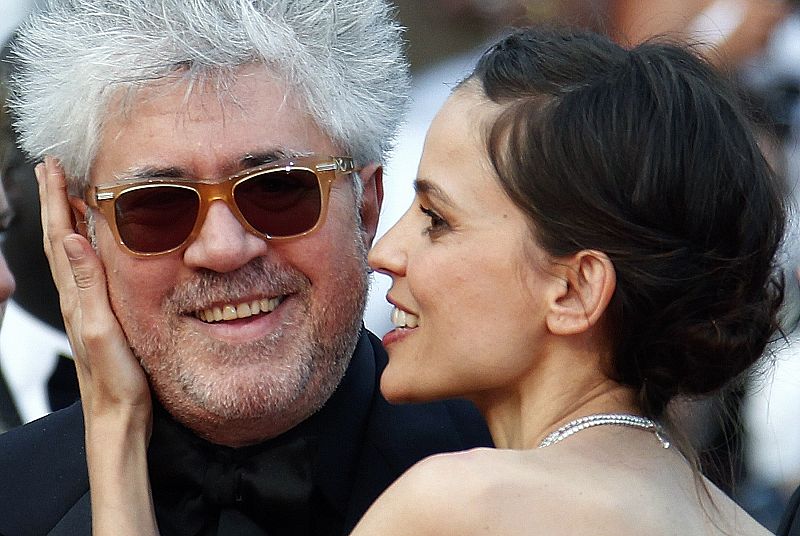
[[201, 489]]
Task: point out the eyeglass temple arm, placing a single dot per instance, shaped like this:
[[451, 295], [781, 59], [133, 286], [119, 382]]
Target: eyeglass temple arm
[[340, 164]]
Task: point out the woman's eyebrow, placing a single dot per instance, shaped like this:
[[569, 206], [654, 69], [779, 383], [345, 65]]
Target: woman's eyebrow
[[426, 187]]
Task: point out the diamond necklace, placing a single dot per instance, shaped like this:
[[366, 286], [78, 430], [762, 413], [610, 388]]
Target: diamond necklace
[[599, 419]]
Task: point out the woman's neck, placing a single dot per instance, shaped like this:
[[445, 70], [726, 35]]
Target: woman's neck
[[557, 390]]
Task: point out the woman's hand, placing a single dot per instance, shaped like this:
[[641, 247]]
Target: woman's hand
[[112, 382], [114, 390]]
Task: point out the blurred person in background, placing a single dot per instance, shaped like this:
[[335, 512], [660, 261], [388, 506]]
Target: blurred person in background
[[9, 416], [35, 364], [733, 31]]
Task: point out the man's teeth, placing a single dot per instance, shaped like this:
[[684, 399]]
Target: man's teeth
[[402, 319], [241, 310]]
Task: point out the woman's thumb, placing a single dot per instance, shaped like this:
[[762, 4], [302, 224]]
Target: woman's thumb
[[83, 269]]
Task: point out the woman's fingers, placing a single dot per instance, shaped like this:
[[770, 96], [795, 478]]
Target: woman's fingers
[[56, 215], [114, 369], [109, 373], [57, 223]]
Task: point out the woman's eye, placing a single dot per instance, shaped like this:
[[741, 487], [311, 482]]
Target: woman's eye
[[437, 224]]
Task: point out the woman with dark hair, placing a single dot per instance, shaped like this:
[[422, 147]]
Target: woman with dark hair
[[593, 234]]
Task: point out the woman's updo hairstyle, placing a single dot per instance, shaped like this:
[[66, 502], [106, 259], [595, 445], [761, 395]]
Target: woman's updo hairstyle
[[645, 155]]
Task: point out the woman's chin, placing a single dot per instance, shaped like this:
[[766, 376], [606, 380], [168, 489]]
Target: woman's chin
[[397, 391]]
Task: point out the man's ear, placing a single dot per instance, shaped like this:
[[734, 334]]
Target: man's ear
[[372, 179], [79, 210], [588, 283]]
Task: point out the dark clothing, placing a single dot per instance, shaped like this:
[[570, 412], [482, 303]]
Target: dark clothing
[[61, 386], [317, 479], [790, 525]]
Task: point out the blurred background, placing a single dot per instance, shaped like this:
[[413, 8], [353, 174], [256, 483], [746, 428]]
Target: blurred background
[[749, 438]]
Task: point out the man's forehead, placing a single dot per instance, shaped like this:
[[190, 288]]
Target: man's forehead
[[186, 93], [205, 128]]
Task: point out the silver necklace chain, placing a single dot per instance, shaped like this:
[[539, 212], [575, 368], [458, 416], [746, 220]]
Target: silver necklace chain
[[600, 419]]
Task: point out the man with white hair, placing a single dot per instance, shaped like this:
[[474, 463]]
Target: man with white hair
[[223, 158]]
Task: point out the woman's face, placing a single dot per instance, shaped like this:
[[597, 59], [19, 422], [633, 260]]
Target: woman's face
[[467, 279]]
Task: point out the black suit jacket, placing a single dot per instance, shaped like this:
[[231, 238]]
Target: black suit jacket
[[790, 525], [61, 386], [44, 488]]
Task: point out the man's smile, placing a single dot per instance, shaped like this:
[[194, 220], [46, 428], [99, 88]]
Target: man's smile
[[233, 311]]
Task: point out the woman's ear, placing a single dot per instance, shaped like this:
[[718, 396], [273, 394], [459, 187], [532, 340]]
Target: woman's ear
[[79, 209], [588, 283]]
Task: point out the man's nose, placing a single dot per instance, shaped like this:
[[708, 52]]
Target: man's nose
[[223, 244]]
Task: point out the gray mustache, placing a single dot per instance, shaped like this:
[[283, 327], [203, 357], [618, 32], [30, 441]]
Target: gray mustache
[[259, 276]]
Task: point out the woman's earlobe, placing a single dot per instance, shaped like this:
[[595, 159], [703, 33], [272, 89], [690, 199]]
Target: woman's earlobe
[[588, 284]]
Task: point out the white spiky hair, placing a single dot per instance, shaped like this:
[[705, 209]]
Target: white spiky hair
[[342, 58]]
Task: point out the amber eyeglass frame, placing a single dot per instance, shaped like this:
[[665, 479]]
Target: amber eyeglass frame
[[103, 197]]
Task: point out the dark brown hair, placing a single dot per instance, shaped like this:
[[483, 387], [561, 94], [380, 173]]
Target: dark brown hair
[[644, 154]]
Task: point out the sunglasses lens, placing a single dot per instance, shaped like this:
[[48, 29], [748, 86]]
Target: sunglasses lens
[[280, 203], [156, 218]]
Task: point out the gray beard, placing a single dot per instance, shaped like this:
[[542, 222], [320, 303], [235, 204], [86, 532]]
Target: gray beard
[[285, 376]]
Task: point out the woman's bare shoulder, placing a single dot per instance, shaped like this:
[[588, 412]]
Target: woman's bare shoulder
[[439, 495], [481, 491], [489, 491]]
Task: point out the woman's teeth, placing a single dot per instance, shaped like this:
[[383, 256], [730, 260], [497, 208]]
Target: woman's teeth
[[402, 319], [241, 310]]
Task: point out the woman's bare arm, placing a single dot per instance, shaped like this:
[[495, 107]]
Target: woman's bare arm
[[114, 391]]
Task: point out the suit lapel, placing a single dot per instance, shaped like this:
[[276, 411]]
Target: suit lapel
[[9, 417], [790, 525], [77, 521]]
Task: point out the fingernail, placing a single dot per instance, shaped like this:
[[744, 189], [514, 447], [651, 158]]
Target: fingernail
[[73, 248]]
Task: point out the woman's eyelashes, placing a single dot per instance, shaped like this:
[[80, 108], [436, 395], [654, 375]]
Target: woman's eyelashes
[[437, 223]]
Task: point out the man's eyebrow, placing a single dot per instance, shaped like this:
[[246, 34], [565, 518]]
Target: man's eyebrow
[[425, 187], [175, 172], [267, 157], [152, 172]]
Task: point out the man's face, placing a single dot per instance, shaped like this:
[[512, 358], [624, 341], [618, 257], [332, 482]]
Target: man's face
[[239, 381]]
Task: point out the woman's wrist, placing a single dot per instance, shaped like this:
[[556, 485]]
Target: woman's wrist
[[116, 451]]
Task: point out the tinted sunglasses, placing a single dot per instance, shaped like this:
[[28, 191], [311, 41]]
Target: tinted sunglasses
[[276, 201]]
